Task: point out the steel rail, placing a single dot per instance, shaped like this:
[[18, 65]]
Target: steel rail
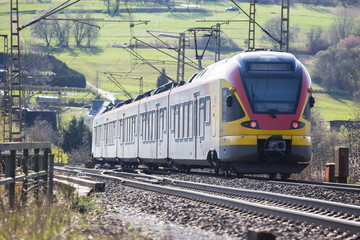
[[334, 186], [322, 204], [341, 207], [310, 218]]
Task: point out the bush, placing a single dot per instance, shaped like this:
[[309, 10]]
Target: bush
[[338, 66]]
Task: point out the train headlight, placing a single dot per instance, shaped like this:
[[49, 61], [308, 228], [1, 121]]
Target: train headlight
[[297, 125], [251, 124]]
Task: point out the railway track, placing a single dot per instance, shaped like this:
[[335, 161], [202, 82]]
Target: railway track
[[327, 214], [327, 185]]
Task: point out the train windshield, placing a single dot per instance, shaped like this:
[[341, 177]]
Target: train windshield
[[273, 95]]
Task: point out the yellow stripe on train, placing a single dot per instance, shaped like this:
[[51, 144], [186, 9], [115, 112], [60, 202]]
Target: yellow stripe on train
[[252, 139]]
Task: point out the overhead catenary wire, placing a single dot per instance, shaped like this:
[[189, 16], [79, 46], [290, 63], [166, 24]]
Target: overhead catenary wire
[[137, 55], [263, 29], [175, 49], [167, 54], [51, 12]]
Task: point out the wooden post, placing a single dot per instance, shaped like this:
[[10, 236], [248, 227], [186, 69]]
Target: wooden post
[[36, 169], [341, 164], [45, 163], [26, 172], [2, 165], [10, 172], [51, 177]]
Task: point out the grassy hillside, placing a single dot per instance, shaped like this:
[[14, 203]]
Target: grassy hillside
[[93, 63]]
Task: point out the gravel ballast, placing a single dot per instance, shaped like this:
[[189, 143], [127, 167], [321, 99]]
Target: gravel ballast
[[168, 217]]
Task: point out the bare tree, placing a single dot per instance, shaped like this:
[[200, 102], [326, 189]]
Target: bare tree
[[91, 35], [316, 42], [344, 24], [323, 145], [79, 30], [62, 32], [41, 131], [80, 155], [112, 6], [43, 30]]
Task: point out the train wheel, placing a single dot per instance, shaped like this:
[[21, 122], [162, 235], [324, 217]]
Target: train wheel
[[272, 175], [285, 176], [214, 161], [227, 173], [239, 175]]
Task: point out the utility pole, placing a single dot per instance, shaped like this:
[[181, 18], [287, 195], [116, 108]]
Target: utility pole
[[13, 120], [4, 83], [141, 84], [217, 43], [285, 13], [210, 34], [181, 58], [251, 40]]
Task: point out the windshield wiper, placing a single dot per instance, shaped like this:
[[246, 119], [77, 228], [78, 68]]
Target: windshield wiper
[[272, 111]]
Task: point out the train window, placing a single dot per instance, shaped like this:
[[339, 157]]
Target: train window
[[152, 125], [128, 119], [147, 126], [134, 122], [190, 120], [307, 111], [125, 130], [233, 112], [129, 129], [181, 121], [207, 109], [201, 116], [120, 130], [111, 132], [160, 124], [144, 124], [186, 120], [105, 133], [95, 136], [196, 117], [271, 66], [172, 117], [132, 128], [176, 118], [99, 135], [165, 119]]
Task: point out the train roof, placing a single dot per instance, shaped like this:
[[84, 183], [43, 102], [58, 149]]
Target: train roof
[[216, 70]]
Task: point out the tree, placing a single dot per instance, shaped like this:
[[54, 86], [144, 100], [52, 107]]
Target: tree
[[112, 6], [41, 131], [273, 26], [316, 42], [338, 66], [162, 79], [91, 35], [62, 32], [76, 136], [79, 30], [344, 24], [43, 30]]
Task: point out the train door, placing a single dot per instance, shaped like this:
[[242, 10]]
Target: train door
[[195, 123]]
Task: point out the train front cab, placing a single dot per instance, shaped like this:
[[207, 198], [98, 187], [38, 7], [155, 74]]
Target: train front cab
[[264, 143]]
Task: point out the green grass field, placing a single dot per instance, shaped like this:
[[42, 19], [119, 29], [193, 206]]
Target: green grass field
[[104, 58]]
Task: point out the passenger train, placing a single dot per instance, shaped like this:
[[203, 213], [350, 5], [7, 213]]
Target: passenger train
[[247, 114]]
